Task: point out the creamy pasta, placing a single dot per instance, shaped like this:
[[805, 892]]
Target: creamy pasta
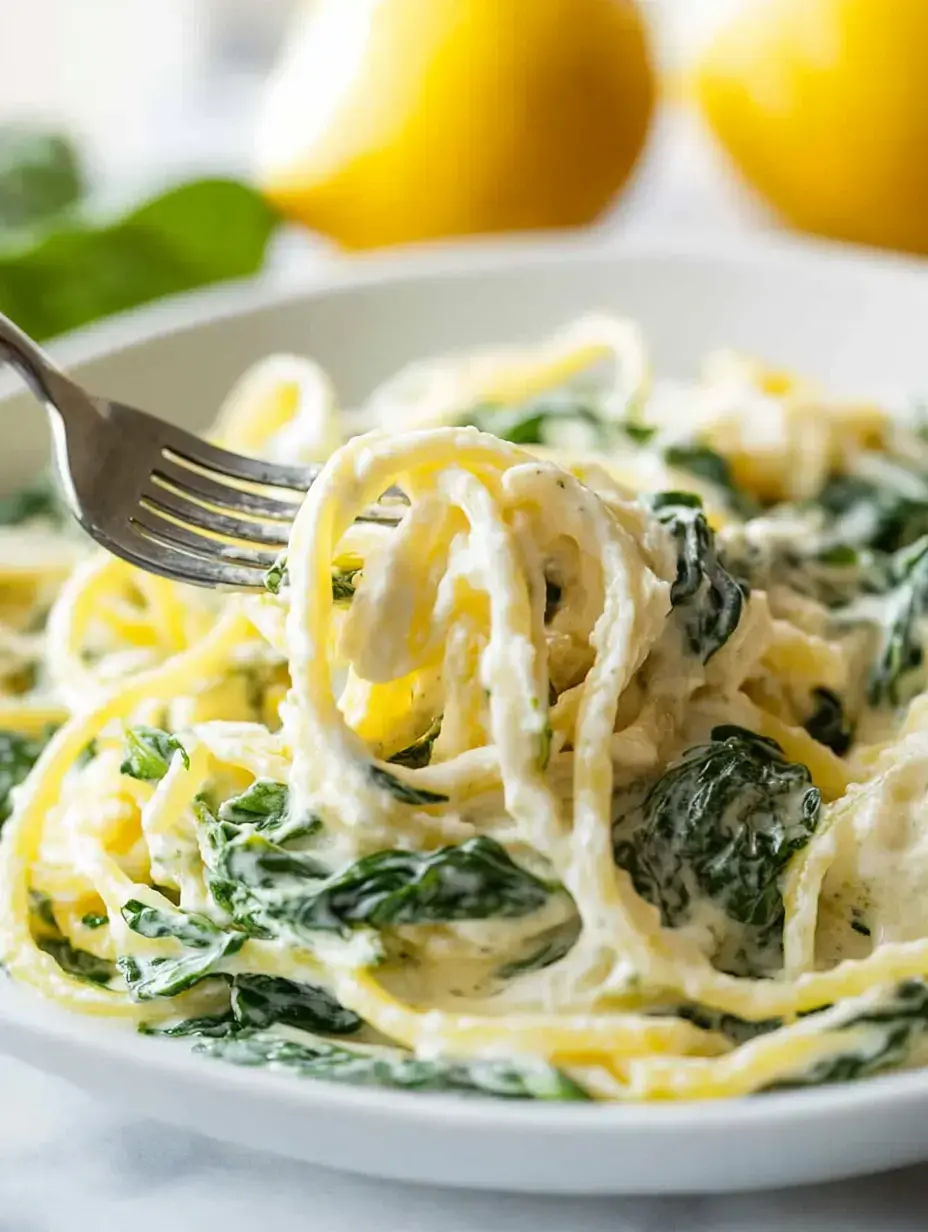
[[603, 775]]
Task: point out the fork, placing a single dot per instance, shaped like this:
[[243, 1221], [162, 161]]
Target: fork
[[159, 497]]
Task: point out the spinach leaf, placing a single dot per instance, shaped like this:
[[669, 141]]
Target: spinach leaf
[[476, 880], [247, 872], [167, 975], [419, 753], [276, 577], [263, 885], [545, 950], [344, 581], [828, 723], [722, 823], [344, 584], [704, 463], [186, 927], [43, 910], [40, 176], [80, 963], [707, 597], [93, 920], [18, 754], [864, 513], [39, 499], [260, 1001], [526, 424], [403, 791], [890, 1029], [738, 1030], [150, 978], [637, 433], [264, 804], [148, 753], [335, 1063], [80, 270], [898, 668], [210, 1025]]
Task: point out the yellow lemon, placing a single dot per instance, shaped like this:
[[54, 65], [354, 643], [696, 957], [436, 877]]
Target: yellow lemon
[[822, 104], [396, 120]]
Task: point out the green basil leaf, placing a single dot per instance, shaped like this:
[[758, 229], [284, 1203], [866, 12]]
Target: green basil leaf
[[199, 233], [40, 176]]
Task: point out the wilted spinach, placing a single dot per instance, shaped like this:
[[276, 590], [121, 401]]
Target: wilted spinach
[[715, 469], [738, 1030], [263, 1001], [893, 603], [80, 963], [400, 790], [544, 950], [864, 512], [264, 886], [205, 944], [419, 753], [889, 1030], [344, 581], [277, 577], [476, 880], [722, 823], [828, 723], [148, 753], [708, 599], [526, 424], [49, 938], [264, 805], [335, 1063], [18, 754], [260, 1001]]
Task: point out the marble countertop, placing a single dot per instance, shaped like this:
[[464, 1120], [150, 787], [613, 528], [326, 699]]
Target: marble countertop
[[69, 1163]]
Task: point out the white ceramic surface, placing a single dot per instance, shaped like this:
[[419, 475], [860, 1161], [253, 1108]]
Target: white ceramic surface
[[858, 323]]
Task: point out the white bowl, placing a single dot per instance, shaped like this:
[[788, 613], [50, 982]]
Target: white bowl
[[856, 322]]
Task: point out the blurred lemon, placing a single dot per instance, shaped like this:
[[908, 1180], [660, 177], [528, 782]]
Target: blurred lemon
[[396, 120], [822, 105]]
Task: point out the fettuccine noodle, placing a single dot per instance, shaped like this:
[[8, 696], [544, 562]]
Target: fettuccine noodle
[[602, 775]]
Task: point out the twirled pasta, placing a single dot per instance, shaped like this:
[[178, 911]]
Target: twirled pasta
[[553, 790]]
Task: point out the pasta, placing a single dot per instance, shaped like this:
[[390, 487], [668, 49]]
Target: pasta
[[603, 775]]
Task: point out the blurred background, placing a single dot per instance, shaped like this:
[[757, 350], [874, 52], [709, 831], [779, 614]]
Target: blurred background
[[147, 148]]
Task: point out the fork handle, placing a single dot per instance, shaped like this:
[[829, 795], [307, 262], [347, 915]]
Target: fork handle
[[56, 391], [29, 360]]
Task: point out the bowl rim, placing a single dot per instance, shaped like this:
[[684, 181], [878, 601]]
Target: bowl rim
[[466, 258], [24, 1013]]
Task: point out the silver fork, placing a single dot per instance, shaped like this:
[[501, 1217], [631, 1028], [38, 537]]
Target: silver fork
[[157, 496]]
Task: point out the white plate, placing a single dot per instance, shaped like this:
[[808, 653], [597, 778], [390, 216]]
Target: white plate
[[857, 322]]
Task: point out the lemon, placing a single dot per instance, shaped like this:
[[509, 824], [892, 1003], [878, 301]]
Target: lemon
[[389, 121], [823, 107]]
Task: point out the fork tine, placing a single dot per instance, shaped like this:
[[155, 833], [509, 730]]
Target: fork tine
[[172, 535], [170, 505], [184, 447], [136, 546], [201, 487]]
